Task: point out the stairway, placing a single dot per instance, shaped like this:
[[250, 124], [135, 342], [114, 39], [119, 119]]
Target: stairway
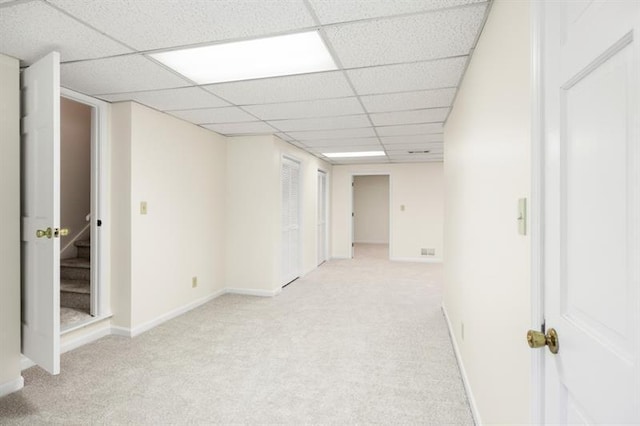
[[75, 276]]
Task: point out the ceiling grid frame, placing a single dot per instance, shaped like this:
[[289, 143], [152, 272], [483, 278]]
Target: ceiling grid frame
[[405, 123]]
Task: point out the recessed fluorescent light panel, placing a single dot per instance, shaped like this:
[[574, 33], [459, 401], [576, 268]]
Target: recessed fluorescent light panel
[[243, 60], [354, 154]]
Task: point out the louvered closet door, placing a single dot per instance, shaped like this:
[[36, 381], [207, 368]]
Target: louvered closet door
[[290, 220]]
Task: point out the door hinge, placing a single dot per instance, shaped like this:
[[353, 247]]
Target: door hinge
[[99, 222], [353, 214]]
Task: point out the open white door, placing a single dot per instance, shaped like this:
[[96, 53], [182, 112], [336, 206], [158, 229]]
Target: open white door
[[41, 212], [591, 220]]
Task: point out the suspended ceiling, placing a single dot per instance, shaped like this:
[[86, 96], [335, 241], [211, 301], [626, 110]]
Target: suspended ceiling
[[399, 65]]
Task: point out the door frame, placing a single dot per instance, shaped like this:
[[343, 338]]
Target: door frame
[[536, 226], [326, 212], [352, 230], [99, 211]]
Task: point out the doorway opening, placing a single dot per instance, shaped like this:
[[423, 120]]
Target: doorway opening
[[75, 212], [82, 184], [370, 216]]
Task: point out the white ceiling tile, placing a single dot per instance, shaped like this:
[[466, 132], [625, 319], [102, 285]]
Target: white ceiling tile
[[413, 139], [254, 127], [333, 134], [28, 31], [306, 109], [153, 24], [409, 100], [409, 129], [118, 74], [214, 115], [407, 77], [325, 143], [322, 123], [434, 35], [170, 99], [330, 11], [284, 89], [409, 117], [417, 160]]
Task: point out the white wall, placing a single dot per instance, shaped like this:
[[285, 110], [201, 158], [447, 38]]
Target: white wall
[[180, 171], [371, 208], [254, 211], [120, 214], [10, 378], [75, 170], [487, 167], [416, 186]]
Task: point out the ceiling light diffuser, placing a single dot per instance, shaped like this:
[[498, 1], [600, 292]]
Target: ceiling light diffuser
[[354, 154], [243, 60]]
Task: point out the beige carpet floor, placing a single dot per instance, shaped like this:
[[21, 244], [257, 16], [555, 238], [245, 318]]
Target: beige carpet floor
[[359, 341]]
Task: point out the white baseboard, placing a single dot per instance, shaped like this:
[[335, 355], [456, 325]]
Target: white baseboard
[[85, 339], [25, 362], [417, 259], [465, 380], [121, 331], [254, 292], [12, 386], [172, 314], [340, 257]]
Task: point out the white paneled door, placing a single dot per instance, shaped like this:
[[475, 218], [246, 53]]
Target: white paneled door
[[591, 217], [41, 212], [322, 217], [290, 255]]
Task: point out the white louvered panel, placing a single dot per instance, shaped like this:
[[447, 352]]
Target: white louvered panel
[[290, 252]]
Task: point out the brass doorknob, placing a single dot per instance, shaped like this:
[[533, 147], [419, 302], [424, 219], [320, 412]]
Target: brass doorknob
[[61, 232], [537, 339], [41, 233]]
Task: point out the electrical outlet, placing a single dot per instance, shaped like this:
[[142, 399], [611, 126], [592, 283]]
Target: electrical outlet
[[428, 252], [143, 207], [194, 282]]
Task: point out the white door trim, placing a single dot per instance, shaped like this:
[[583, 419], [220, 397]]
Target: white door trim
[[536, 211], [99, 190], [351, 221]]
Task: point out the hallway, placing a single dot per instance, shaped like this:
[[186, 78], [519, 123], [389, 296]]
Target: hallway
[[355, 341]]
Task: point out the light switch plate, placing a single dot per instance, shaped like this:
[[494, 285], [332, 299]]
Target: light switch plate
[[522, 216]]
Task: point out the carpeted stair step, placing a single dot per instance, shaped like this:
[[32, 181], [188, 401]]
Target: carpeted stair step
[[75, 269], [84, 248], [75, 294]]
